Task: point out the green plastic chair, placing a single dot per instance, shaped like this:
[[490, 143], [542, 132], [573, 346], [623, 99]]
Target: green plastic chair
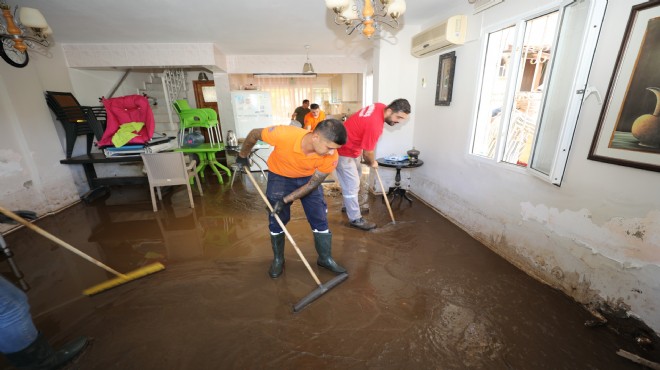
[[190, 118]]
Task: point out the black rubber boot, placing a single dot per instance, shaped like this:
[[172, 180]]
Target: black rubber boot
[[277, 266], [323, 244], [41, 356]]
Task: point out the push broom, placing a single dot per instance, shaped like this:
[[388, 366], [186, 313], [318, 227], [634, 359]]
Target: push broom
[[323, 288], [120, 279], [387, 201]]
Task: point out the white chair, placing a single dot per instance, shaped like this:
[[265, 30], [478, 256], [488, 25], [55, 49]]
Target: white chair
[[168, 169]]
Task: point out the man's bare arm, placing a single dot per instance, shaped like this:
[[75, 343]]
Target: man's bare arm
[[369, 158], [315, 181], [250, 142]]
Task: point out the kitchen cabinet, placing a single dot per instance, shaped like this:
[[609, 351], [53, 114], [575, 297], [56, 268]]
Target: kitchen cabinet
[[345, 88], [335, 89], [349, 87]]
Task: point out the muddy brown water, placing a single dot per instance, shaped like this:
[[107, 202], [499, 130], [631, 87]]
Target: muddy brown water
[[421, 294]]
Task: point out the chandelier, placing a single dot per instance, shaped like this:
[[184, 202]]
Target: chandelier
[[367, 15], [17, 34]]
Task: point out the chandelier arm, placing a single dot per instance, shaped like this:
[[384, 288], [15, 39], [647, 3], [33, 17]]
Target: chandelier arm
[[41, 41], [395, 24], [380, 13], [350, 30]]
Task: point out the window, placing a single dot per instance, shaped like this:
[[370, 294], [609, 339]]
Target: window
[[532, 84], [288, 93]]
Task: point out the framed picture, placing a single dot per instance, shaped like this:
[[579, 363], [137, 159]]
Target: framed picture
[[628, 132], [445, 78]]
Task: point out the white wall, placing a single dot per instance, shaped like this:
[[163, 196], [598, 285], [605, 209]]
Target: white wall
[[597, 237], [30, 148], [91, 84]]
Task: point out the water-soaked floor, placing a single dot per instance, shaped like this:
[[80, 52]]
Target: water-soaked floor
[[421, 293]]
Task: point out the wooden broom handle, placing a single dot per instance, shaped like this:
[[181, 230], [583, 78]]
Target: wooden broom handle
[[387, 201], [61, 242]]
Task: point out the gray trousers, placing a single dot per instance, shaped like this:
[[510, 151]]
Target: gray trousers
[[348, 174]]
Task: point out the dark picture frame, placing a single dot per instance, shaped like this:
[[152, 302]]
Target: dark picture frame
[[628, 133], [445, 83]]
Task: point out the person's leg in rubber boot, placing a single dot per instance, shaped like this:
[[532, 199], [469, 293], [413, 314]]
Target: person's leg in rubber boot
[[276, 188], [316, 211], [40, 355], [22, 344], [323, 245], [277, 267], [17, 331]]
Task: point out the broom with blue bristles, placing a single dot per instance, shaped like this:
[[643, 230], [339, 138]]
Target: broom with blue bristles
[[120, 279]]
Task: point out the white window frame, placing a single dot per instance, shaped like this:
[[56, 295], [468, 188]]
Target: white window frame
[[579, 87]]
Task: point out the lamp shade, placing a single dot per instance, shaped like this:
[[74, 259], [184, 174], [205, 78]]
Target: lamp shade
[[350, 12], [396, 9], [31, 17], [336, 4], [307, 68]]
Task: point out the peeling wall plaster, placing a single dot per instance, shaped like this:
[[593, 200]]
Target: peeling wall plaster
[[10, 163], [563, 249], [634, 242]]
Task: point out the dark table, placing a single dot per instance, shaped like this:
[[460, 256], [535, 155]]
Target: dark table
[[99, 186], [397, 190]]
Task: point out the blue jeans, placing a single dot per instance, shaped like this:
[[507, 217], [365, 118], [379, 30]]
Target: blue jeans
[[313, 203], [17, 330]]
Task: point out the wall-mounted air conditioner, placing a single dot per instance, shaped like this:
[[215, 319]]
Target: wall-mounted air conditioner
[[481, 5], [449, 33]]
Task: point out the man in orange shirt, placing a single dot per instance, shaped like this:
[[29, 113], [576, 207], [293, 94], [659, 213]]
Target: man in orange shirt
[[313, 118], [298, 165]]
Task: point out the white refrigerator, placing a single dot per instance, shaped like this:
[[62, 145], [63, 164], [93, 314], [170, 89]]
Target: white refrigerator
[[252, 109]]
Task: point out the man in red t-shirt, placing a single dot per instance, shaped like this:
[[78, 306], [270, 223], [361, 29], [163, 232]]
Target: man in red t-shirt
[[364, 129], [297, 167]]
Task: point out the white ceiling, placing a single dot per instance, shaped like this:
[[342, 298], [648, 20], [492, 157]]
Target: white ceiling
[[238, 27]]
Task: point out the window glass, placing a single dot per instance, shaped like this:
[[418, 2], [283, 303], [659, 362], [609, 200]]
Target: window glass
[[493, 90], [532, 84], [533, 58], [560, 89]]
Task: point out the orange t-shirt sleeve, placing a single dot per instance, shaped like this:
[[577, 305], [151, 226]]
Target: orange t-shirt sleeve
[[329, 163], [286, 160]]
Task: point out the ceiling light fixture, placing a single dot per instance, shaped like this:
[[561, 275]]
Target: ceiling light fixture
[[16, 35], [367, 15], [307, 67]]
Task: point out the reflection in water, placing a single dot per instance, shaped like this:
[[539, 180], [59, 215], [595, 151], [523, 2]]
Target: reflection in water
[[420, 293]]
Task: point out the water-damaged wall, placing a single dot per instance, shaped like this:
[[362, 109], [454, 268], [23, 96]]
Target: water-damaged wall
[[30, 147], [597, 237]]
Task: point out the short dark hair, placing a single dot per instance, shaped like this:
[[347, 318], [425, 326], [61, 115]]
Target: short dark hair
[[333, 130], [400, 105], [314, 106], [305, 101]]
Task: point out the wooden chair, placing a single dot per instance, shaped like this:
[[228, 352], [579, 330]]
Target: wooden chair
[[74, 118]]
